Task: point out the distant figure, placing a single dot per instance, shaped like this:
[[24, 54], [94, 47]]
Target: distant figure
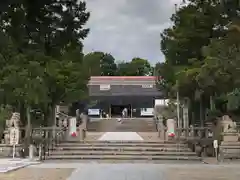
[[125, 113]]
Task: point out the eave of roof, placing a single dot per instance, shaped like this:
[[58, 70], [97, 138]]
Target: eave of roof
[[120, 78]]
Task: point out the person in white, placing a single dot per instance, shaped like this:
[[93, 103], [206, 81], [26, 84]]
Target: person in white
[[124, 113]]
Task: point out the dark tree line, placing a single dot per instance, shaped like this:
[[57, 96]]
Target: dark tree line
[[104, 64]]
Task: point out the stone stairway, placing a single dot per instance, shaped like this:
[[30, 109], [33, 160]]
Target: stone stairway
[[122, 150], [127, 125]]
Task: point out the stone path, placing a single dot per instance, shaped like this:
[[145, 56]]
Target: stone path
[[37, 174], [117, 172], [7, 165], [120, 136], [94, 171], [203, 173], [148, 171]]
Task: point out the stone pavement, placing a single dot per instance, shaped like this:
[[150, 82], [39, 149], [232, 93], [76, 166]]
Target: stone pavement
[[117, 172], [37, 174], [120, 136], [94, 171], [125, 171], [7, 165], [202, 173]]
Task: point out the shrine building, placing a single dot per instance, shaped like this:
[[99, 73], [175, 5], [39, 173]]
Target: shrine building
[[109, 95]]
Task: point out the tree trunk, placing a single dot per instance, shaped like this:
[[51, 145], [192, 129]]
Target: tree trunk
[[201, 111], [52, 118], [28, 127], [212, 105]]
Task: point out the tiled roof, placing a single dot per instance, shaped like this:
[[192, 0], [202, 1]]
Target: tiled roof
[[123, 80]]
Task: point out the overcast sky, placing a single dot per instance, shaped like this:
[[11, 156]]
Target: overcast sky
[[128, 28]]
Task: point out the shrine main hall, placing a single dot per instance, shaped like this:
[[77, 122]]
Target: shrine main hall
[[109, 95]]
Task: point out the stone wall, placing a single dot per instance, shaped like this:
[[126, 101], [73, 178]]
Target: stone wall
[[7, 150]]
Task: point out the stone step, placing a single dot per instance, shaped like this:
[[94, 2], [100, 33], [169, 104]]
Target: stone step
[[137, 149], [229, 143], [121, 157], [119, 161], [121, 130], [121, 153], [127, 125], [122, 142], [120, 145], [229, 147]]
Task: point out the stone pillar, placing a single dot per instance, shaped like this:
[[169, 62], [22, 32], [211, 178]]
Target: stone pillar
[[31, 152], [83, 127], [171, 128], [12, 123], [72, 132], [161, 128], [185, 117]]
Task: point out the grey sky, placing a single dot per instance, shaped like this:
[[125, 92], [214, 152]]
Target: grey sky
[[128, 28]]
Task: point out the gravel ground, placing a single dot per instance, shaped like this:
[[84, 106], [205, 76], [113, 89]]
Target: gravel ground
[[202, 173], [37, 174]]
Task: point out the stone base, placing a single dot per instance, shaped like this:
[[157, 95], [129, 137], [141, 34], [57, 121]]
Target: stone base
[[6, 150], [230, 152], [230, 137], [230, 146]]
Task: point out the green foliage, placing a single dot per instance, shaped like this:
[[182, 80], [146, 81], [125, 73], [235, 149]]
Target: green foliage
[[167, 111], [212, 115], [202, 48], [166, 77], [193, 28], [233, 100], [41, 53], [137, 67], [103, 64], [5, 113], [100, 64]]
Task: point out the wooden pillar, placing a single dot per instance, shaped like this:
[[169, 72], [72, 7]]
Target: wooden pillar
[[131, 110], [110, 111]]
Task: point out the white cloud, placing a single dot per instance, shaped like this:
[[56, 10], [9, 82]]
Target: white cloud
[[127, 29]]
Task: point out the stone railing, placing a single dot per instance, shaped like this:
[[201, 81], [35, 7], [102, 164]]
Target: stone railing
[[43, 139], [194, 133], [190, 133]]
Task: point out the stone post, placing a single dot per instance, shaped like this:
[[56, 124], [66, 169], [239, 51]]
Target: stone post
[[31, 152], [161, 128], [83, 127], [185, 117], [171, 129], [12, 123]]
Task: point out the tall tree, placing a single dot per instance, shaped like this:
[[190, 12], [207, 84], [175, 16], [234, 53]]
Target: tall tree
[[222, 65], [166, 77], [137, 67], [194, 26], [100, 64], [198, 31], [47, 40]]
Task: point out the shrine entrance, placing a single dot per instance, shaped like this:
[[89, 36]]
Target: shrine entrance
[[116, 110]]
